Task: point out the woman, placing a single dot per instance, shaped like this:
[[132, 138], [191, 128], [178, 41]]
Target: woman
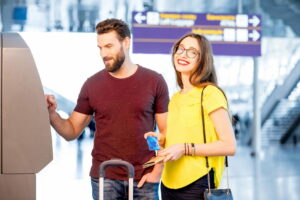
[[185, 172]]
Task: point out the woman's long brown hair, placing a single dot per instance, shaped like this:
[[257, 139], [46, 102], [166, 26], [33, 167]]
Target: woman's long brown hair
[[205, 72]]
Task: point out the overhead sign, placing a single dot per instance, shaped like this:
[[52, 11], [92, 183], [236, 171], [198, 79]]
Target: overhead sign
[[229, 34]]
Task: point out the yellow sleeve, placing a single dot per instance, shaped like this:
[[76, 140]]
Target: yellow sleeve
[[213, 99]]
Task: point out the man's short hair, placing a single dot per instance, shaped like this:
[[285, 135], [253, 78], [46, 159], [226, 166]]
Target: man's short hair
[[117, 25]]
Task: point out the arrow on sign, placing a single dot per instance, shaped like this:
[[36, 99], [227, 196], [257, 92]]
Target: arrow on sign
[[254, 35], [254, 21], [139, 17]]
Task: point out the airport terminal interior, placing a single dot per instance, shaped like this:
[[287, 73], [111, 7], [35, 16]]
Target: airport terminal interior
[[263, 90]]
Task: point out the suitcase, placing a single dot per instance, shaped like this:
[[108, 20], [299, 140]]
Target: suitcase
[[116, 163]]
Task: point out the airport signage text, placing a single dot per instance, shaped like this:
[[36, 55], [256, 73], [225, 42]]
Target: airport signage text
[[229, 34]]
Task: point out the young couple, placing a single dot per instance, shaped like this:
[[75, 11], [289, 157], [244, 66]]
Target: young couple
[[127, 100]]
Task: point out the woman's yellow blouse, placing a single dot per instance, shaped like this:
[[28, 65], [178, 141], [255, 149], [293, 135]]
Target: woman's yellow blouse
[[185, 125]]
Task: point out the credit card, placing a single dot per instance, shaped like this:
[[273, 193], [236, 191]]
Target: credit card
[[153, 143]]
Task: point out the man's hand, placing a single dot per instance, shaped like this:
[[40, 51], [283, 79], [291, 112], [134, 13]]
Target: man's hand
[[152, 177], [160, 137], [51, 103]]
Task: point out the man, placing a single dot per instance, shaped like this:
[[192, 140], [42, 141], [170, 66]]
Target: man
[[126, 101]]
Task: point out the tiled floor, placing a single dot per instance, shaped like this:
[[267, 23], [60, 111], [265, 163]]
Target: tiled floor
[[275, 176]]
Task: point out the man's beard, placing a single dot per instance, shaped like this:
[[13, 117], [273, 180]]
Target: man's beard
[[117, 62]]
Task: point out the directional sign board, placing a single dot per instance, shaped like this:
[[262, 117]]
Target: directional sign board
[[229, 34]]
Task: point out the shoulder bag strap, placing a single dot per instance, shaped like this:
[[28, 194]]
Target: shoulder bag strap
[[204, 138]]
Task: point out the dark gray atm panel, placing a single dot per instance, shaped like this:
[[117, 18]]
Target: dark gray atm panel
[[25, 142]]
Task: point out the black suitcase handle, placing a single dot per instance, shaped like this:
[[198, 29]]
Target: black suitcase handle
[[116, 163]]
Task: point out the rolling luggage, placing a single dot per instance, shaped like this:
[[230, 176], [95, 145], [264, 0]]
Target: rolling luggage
[[116, 163]]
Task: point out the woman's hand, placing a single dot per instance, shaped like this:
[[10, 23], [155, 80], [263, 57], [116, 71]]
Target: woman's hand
[[173, 152], [160, 137]]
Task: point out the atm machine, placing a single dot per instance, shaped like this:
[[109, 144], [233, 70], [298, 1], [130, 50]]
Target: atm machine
[[25, 138]]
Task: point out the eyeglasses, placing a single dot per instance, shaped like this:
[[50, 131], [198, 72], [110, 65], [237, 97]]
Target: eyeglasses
[[191, 53]]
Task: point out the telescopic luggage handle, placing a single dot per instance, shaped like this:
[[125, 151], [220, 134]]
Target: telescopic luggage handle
[[116, 163]]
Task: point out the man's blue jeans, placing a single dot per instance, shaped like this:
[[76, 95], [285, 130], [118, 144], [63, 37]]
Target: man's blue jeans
[[117, 189]]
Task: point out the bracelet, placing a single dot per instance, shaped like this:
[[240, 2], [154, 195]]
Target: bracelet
[[193, 149]]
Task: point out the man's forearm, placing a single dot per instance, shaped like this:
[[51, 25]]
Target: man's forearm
[[158, 168], [62, 126]]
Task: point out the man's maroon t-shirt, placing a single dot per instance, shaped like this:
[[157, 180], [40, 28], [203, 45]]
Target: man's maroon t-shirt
[[124, 110]]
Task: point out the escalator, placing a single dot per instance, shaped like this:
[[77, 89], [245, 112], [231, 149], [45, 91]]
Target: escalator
[[281, 110], [281, 123]]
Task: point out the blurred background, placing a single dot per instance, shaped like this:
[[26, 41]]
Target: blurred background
[[263, 91]]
